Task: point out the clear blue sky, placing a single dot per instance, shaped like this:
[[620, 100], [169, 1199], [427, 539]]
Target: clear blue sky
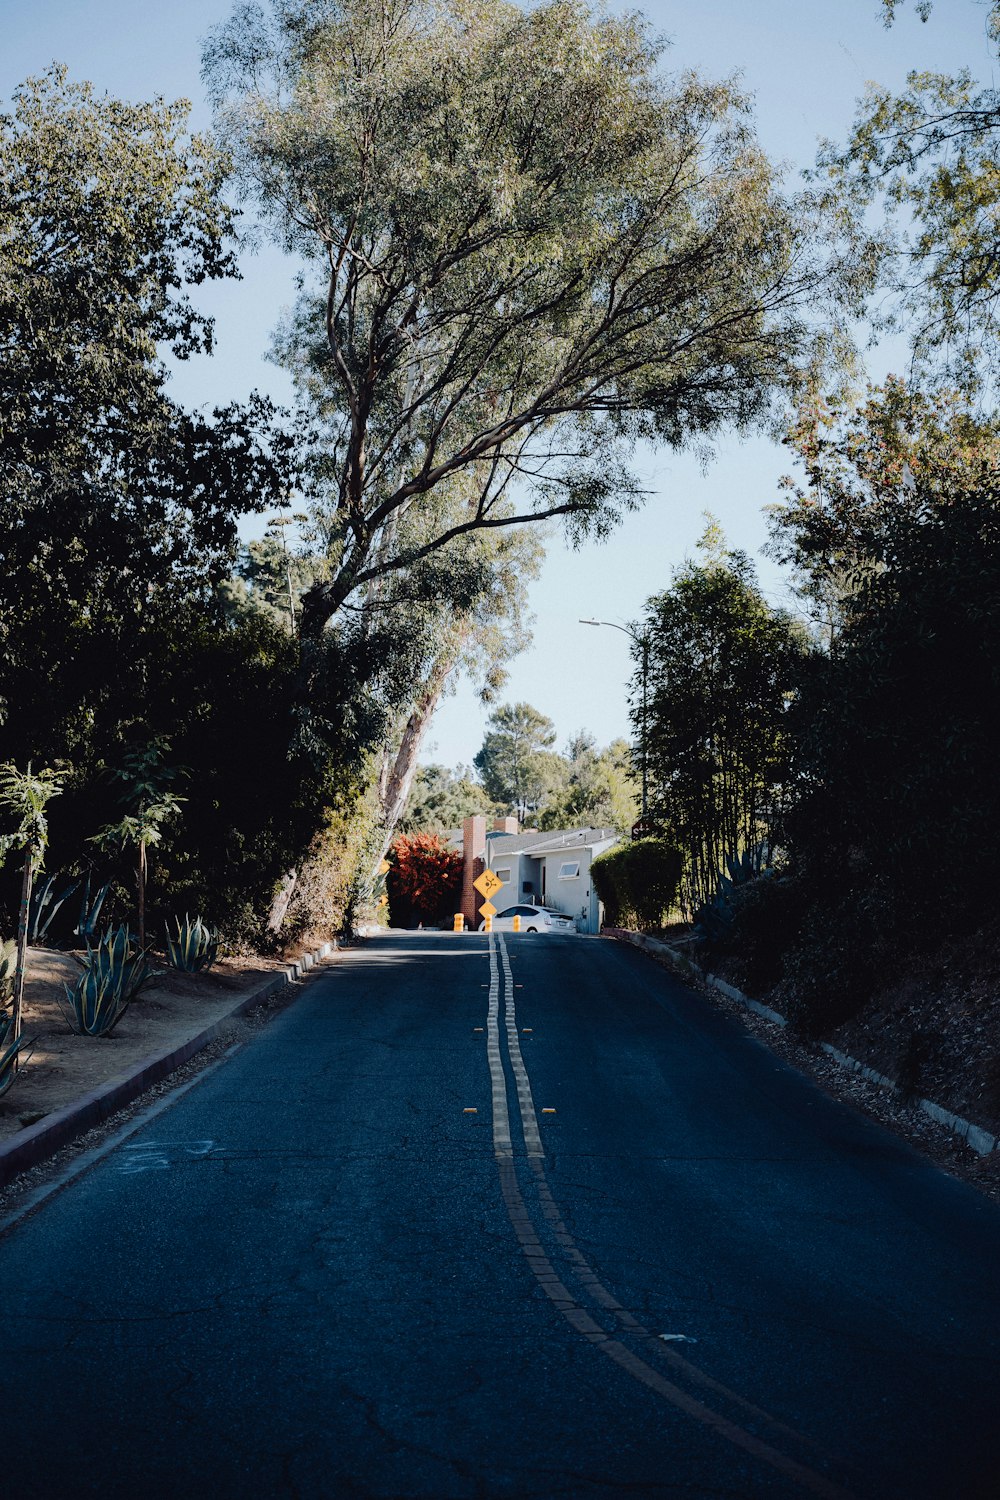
[[806, 61]]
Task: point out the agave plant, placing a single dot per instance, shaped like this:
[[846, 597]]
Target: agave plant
[[90, 910], [714, 921], [196, 947], [8, 963], [44, 905], [113, 972], [11, 1047], [8, 1054]]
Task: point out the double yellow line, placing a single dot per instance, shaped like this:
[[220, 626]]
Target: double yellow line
[[502, 1023]]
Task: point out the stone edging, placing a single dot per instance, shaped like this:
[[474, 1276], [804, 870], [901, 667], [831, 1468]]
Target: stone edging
[[36, 1142], [978, 1138]]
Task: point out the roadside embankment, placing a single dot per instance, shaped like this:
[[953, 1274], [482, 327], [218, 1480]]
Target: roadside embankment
[[922, 1120]]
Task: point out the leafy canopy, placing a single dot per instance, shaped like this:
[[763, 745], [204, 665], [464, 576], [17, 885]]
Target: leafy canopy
[[929, 155], [524, 246], [118, 506], [441, 799], [26, 794]]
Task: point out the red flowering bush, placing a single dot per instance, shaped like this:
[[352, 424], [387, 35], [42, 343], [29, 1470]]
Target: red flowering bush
[[424, 882]]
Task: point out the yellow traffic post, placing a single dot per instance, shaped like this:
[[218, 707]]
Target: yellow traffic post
[[517, 924], [459, 921], [487, 924]]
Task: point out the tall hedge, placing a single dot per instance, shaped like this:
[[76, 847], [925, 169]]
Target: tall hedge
[[638, 882]]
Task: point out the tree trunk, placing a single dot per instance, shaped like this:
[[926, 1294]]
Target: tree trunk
[[22, 951], [397, 773], [142, 895], [279, 903]]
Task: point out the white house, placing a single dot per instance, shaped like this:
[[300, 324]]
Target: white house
[[549, 869]]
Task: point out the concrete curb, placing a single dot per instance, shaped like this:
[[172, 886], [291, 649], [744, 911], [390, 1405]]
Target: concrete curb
[[37, 1142], [980, 1139]]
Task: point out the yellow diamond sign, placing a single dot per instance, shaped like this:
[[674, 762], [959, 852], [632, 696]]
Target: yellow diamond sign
[[487, 885], [487, 909]]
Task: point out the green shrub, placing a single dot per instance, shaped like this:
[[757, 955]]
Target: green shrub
[[638, 882], [768, 916], [834, 967]]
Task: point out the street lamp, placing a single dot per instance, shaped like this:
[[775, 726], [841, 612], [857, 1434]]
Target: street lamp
[[643, 642]]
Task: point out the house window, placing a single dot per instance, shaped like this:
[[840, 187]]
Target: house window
[[503, 875], [570, 870]]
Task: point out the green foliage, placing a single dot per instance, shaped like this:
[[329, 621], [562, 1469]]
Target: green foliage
[[929, 155], [599, 790], [768, 917], [715, 920], [896, 808], [638, 882], [114, 971], [90, 909], [273, 576], [25, 794], [722, 667], [117, 504], [119, 508], [517, 767], [45, 906], [844, 949], [509, 284], [147, 793], [195, 947], [441, 799]]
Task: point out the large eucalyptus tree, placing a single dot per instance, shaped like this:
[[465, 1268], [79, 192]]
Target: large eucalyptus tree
[[526, 247]]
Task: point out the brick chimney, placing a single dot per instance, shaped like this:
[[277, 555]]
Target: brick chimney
[[505, 825], [474, 855]]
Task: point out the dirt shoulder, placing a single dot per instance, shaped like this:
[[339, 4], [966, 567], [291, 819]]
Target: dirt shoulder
[[171, 1009]]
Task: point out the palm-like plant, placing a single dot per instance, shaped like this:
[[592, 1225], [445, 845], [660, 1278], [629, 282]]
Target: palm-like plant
[[150, 803], [26, 795]]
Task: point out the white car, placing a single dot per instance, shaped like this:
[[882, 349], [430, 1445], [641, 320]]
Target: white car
[[533, 919]]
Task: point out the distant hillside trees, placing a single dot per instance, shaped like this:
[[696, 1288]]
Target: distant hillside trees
[[441, 799], [517, 764]]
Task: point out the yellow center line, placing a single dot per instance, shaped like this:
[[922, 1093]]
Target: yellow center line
[[501, 1118], [555, 1289], [526, 1104]]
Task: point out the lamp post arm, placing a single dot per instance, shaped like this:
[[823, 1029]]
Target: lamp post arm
[[643, 642]]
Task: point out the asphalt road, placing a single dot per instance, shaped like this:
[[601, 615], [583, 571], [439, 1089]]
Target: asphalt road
[[518, 1217]]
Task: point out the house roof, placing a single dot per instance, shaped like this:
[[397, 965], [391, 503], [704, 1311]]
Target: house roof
[[537, 844]]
